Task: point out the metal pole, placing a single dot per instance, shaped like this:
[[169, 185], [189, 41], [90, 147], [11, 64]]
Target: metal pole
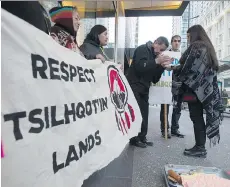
[[116, 30], [189, 15], [166, 121]]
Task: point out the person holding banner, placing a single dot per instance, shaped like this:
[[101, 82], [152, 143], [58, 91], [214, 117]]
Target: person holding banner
[[59, 121], [175, 42], [195, 82], [31, 12], [92, 48], [67, 23], [147, 66]]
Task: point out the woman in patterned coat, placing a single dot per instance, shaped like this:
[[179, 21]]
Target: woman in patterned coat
[[195, 81]]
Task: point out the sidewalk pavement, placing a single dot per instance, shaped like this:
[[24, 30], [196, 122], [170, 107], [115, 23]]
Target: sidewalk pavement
[[148, 163]]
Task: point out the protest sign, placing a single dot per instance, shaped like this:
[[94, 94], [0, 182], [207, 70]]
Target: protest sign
[[63, 117], [160, 93]]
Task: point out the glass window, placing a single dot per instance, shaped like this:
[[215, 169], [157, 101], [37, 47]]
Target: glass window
[[222, 4], [219, 54], [228, 18], [227, 82], [220, 38], [221, 23]]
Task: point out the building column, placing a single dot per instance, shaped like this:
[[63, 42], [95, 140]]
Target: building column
[[225, 35]]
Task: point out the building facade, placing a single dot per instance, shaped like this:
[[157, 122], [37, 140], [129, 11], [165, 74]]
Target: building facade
[[180, 27], [214, 16], [131, 30]]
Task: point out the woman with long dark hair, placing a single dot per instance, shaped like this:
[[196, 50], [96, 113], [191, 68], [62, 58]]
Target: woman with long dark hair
[[92, 48], [195, 82]]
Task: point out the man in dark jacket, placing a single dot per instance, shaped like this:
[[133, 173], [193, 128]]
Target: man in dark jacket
[[175, 42], [147, 66]]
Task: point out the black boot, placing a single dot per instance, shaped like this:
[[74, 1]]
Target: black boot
[[199, 149], [194, 147], [177, 134], [196, 151], [135, 141], [147, 143]]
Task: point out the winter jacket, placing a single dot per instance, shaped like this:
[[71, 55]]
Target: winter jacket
[[62, 36], [144, 69], [90, 49]]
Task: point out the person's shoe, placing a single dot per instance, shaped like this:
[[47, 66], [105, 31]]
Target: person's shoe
[[177, 134], [191, 149], [138, 144], [147, 143], [196, 151], [168, 134]]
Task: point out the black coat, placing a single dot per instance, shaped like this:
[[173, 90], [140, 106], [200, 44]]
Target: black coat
[[90, 49], [144, 69], [30, 11]]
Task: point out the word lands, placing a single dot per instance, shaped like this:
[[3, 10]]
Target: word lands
[[72, 154]]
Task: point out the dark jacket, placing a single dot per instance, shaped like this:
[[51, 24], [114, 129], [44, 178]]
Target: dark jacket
[[30, 11], [144, 69], [90, 49]]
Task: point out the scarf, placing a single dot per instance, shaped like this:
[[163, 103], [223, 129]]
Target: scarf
[[196, 72]]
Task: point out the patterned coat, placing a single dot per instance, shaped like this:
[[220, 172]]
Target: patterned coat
[[64, 38], [196, 73]]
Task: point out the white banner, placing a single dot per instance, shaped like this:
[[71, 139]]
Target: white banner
[[63, 117], [160, 93]]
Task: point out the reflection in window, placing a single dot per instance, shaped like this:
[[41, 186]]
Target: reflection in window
[[223, 4], [132, 28], [220, 38], [227, 83], [221, 23], [219, 54]]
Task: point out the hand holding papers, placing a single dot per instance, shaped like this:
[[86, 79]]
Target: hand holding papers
[[175, 56], [164, 60]]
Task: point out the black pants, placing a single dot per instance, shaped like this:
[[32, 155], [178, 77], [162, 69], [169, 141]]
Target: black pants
[[142, 100], [175, 117], [196, 115]]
